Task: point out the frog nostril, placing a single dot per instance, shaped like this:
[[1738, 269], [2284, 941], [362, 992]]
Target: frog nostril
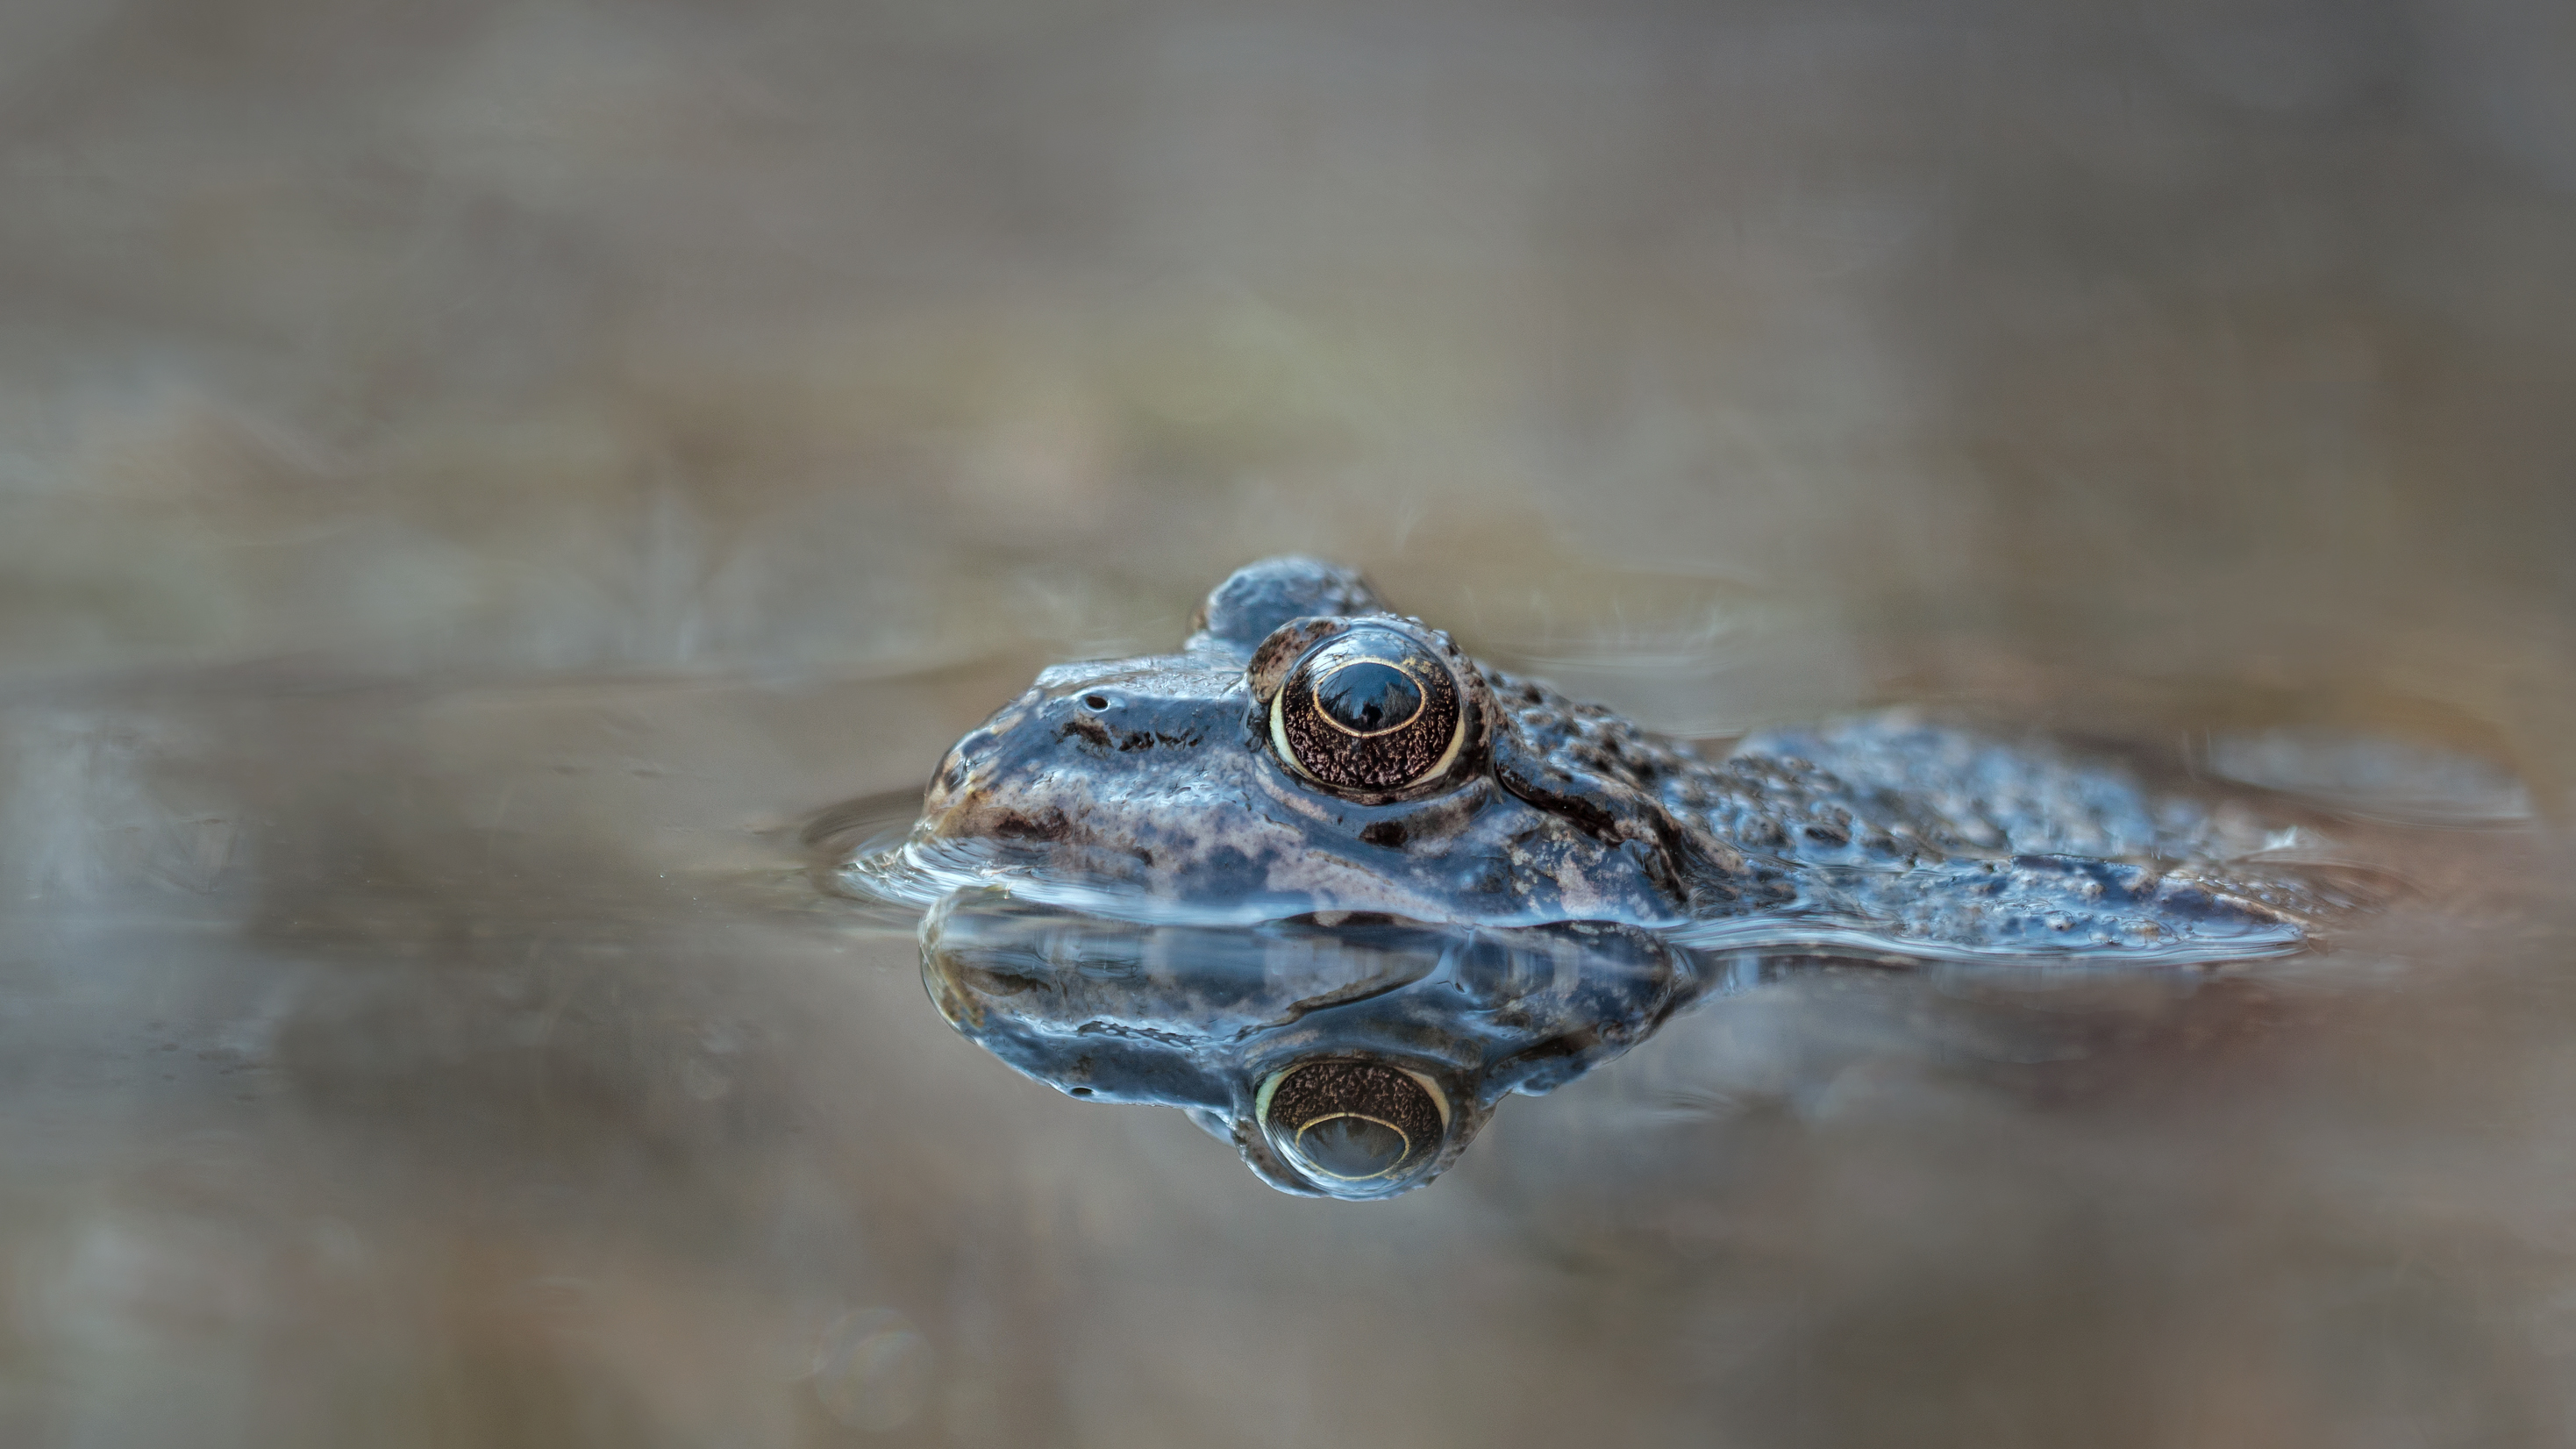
[[1095, 702]]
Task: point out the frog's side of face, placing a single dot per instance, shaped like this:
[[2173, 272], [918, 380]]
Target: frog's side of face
[[1307, 751]]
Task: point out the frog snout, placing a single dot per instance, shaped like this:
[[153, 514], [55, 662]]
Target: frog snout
[[1003, 782], [975, 761], [955, 779], [964, 792]]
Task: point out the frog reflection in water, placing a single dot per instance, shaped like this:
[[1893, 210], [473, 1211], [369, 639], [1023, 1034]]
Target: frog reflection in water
[[1335, 888]]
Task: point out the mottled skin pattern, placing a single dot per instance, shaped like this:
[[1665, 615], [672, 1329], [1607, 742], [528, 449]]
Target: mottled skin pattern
[[1145, 903], [1154, 780]]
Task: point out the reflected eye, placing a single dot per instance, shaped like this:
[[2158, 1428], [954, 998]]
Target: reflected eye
[[1353, 1122], [1370, 709]]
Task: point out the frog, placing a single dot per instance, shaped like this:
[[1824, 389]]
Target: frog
[[1335, 888]]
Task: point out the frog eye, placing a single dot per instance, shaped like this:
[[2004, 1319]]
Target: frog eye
[[1368, 709], [1353, 1124]]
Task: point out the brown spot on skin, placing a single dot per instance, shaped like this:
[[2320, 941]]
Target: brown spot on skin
[[1047, 825], [1387, 833]]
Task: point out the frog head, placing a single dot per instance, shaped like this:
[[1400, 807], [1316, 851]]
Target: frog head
[[1305, 751]]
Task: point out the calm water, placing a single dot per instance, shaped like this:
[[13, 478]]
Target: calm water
[[475, 480]]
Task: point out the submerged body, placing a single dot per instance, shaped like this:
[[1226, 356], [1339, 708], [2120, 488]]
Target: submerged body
[[1335, 887]]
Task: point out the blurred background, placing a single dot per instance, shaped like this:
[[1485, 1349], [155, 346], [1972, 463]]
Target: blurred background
[[475, 477]]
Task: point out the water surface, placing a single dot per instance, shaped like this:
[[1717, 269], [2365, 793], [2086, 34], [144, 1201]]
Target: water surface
[[476, 479]]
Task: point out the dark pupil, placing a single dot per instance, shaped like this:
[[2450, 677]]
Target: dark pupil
[[1368, 696], [1351, 1147]]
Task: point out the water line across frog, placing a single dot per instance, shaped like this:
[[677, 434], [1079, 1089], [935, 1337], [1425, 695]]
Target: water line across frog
[[1335, 888]]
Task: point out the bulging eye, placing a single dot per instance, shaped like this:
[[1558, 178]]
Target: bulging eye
[[1369, 709], [1353, 1124]]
